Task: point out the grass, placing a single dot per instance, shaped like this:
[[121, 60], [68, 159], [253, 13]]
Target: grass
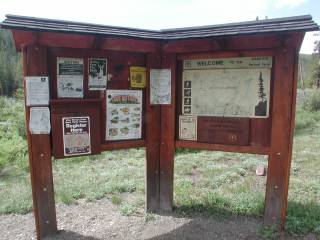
[[213, 183]]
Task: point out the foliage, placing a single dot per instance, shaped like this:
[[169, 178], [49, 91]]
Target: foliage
[[307, 64], [13, 147], [312, 101], [10, 65]]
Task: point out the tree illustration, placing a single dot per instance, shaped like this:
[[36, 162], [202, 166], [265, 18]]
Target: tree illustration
[[261, 92]]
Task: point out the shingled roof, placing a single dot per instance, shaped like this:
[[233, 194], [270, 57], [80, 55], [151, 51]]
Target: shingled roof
[[277, 25]]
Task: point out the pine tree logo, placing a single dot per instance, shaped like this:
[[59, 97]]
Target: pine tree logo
[[261, 107]]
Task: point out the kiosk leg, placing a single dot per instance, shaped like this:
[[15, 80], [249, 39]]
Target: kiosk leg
[[39, 146], [281, 138]]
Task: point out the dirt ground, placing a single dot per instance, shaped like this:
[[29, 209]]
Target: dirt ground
[[102, 220]]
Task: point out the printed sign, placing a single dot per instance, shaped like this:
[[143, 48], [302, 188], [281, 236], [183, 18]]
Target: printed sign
[[188, 127], [124, 108], [138, 77], [160, 86], [97, 74], [242, 62], [37, 91], [70, 77], [76, 135], [227, 92], [39, 120]]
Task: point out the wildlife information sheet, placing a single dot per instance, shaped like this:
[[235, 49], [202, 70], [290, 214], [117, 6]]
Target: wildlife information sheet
[[76, 135], [124, 108], [70, 77], [97, 74]]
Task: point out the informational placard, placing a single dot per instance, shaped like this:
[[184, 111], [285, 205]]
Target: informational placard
[[160, 86], [240, 62], [228, 92], [39, 122], [76, 135], [124, 113], [97, 74], [188, 127], [138, 77], [70, 77], [37, 90]]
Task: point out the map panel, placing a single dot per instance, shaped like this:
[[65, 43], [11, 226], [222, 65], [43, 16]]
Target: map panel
[[242, 92]]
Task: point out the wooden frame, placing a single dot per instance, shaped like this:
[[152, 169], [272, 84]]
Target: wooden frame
[[272, 136]]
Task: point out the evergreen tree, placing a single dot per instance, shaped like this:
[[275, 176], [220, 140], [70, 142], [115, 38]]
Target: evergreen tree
[[10, 65], [261, 92]]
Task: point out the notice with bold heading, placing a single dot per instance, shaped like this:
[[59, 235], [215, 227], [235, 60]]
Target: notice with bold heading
[[124, 114], [76, 135], [70, 77], [188, 127], [37, 90], [39, 120], [227, 87], [160, 86], [97, 74], [138, 77]]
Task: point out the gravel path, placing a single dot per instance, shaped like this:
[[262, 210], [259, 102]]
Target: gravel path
[[102, 220]]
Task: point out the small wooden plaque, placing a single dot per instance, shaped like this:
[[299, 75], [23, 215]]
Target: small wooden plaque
[[223, 130]]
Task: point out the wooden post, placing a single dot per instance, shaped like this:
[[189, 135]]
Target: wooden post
[[39, 146], [152, 141], [167, 139], [284, 93]]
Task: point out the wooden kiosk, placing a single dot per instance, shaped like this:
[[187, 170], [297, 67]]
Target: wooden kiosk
[[92, 88]]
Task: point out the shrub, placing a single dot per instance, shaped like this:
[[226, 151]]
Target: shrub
[[312, 101]]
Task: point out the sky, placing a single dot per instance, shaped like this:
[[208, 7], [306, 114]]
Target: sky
[[162, 14]]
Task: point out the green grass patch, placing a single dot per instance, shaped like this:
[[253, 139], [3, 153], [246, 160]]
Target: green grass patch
[[214, 183]]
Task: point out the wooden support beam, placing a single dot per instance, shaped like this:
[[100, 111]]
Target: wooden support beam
[[39, 146], [284, 93], [152, 142], [167, 138]]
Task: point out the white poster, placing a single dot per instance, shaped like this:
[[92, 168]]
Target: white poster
[[39, 122], [97, 74], [37, 90], [188, 127], [160, 86], [70, 77], [124, 118]]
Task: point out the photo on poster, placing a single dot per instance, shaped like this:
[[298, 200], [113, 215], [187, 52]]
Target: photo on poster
[[138, 77], [70, 77], [188, 127], [97, 73], [124, 114], [160, 86], [76, 135], [39, 120], [37, 90]]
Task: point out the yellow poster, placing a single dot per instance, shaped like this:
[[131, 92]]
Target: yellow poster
[[138, 77]]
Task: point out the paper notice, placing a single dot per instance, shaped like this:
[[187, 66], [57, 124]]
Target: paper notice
[[160, 86], [37, 90], [188, 127], [39, 120], [97, 74], [70, 77]]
